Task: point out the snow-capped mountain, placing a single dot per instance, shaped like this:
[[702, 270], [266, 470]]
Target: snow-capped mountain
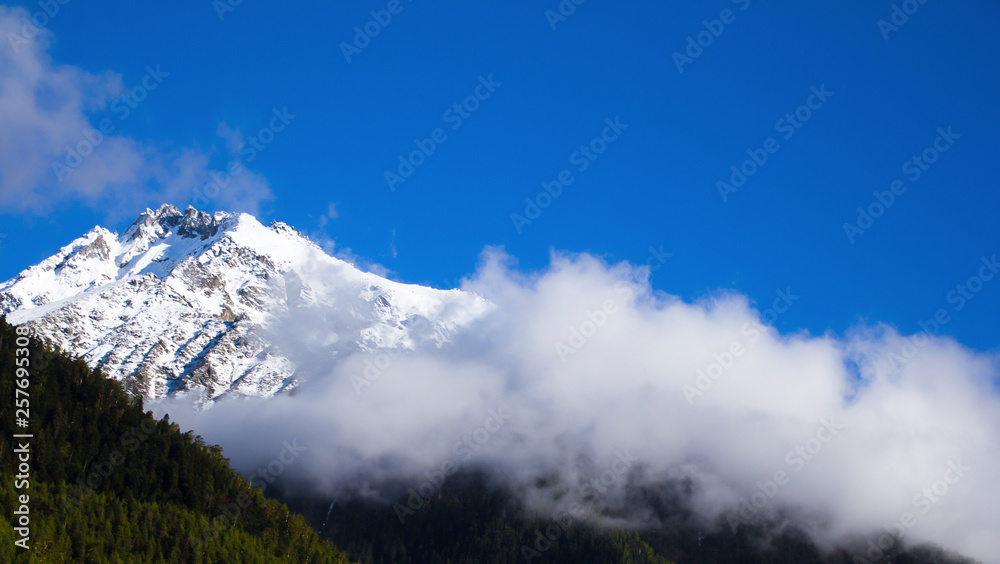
[[188, 301]]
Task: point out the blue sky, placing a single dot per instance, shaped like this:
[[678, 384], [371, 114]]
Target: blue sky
[[655, 185]]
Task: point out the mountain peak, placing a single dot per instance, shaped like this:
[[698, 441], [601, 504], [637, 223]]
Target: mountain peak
[[170, 209], [168, 218], [187, 300]]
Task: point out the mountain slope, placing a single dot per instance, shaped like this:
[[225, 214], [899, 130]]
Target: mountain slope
[[191, 301]]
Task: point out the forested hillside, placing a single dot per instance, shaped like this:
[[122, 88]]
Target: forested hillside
[[470, 521], [109, 483]]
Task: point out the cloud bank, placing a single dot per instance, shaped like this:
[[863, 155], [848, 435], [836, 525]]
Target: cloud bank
[[586, 380], [62, 137]]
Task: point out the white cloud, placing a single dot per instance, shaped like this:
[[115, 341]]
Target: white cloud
[[777, 406], [331, 214], [52, 148]]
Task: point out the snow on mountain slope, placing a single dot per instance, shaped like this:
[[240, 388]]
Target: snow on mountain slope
[[185, 301]]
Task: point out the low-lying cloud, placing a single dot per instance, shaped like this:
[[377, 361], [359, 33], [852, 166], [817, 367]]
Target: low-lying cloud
[[854, 435]]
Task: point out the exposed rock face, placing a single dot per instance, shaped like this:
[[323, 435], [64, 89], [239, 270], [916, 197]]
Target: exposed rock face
[[189, 301]]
